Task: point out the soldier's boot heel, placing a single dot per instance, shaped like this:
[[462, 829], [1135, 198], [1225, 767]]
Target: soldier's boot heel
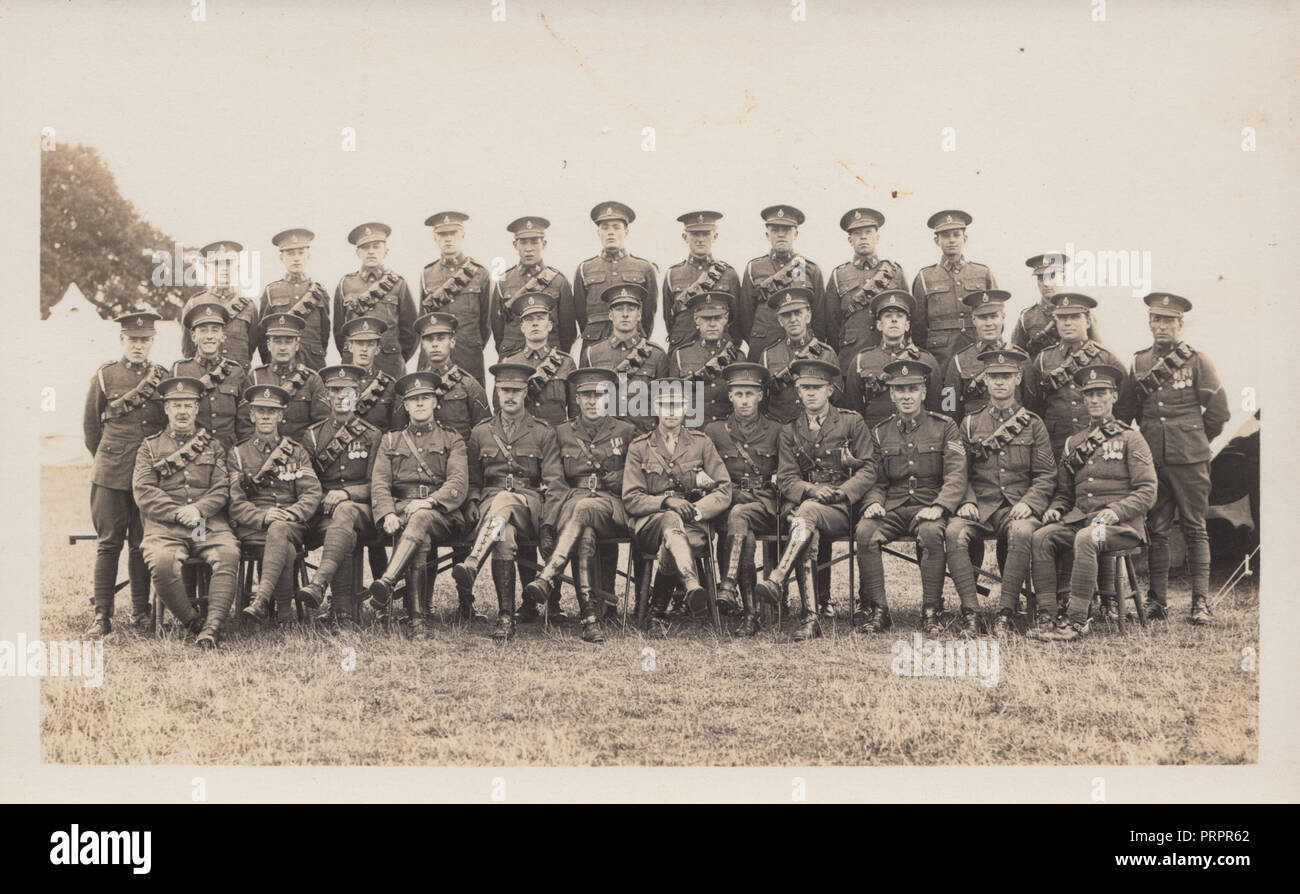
[[259, 609], [466, 572], [728, 590]]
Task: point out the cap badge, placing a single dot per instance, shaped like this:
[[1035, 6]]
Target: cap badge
[[609, 212], [267, 394], [700, 219], [1092, 375], [365, 326], [984, 299], [902, 370], [948, 219], [1001, 359], [367, 231], [780, 212], [1165, 301], [446, 218], [857, 215]]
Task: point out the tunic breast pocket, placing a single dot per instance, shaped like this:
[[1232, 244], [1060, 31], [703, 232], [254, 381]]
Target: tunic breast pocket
[[225, 399], [453, 413], [299, 409], [895, 462], [973, 282], [657, 479], [595, 282], [530, 462], [929, 461], [632, 276], [1020, 452]]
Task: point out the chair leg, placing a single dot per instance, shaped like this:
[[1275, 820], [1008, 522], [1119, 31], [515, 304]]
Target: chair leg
[[711, 591]]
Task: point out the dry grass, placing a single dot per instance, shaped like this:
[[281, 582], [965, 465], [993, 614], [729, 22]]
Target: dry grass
[[1170, 694]]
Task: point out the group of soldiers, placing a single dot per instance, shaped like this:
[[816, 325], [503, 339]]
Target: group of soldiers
[[863, 410]]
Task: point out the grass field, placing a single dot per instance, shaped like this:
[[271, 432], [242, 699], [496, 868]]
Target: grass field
[[1168, 694]]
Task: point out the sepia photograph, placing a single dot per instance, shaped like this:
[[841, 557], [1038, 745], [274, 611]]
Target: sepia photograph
[[781, 384]]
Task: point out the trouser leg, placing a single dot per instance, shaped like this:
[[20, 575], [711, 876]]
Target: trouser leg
[[1083, 576], [110, 514], [1019, 539], [957, 541], [164, 560], [1047, 545]]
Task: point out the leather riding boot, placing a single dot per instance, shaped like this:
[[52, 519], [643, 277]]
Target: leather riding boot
[[806, 578], [731, 548], [539, 588], [680, 548], [746, 579], [503, 578], [465, 572], [769, 589], [591, 606], [381, 589]]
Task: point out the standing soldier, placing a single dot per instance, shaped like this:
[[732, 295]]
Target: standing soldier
[[964, 388], [769, 274], [1106, 484], [241, 326], [224, 378], [548, 387], [307, 400], [942, 323], [699, 273], [1175, 395], [706, 357], [920, 479], [854, 284], [1050, 389], [376, 397], [866, 389], [343, 450], [529, 276], [274, 492], [747, 442], [1036, 328], [596, 275], [374, 290], [300, 295], [673, 484], [793, 309], [824, 468], [418, 486], [181, 486], [592, 448], [627, 350], [123, 408], [513, 459], [1011, 475], [457, 284]]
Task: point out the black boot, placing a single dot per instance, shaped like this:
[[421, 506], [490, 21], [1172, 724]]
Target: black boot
[[503, 578], [679, 547], [259, 609], [930, 620], [1200, 610], [727, 587], [539, 588], [312, 595], [591, 606], [1154, 607], [769, 589], [661, 592], [746, 580], [809, 625], [381, 589], [466, 572]]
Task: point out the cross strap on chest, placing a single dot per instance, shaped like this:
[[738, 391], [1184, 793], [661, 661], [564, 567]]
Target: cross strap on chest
[[137, 397], [181, 457], [449, 289], [876, 280], [352, 430], [362, 304], [1083, 451], [1162, 371], [704, 282], [1003, 435], [1063, 374]]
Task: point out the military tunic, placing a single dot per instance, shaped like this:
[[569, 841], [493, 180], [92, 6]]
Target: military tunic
[[303, 297], [548, 396], [1010, 461], [241, 328], [1050, 390], [598, 273], [460, 287], [641, 360], [383, 294], [308, 402], [837, 453], [516, 475], [942, 324], [866, 390], [377, 399], [693, 471], [435, 470], [224, 382], [849, 291], [749, 451], [782, 396], [920, 462], [1036, 329], [710, 274], [1119, 475], [343, 465], [462, 405], [593, 454], [963, 386], [161, 492], [764, 277], [701, 361], [507, 333]]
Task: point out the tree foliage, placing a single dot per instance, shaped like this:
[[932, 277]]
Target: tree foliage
[[94, 237]]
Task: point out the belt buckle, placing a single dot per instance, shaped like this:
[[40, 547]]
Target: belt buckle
[[510, 481], [423, 492], [591, 483]]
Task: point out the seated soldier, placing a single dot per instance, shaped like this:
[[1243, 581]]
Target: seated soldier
[[1105, 486], [592, 448], [512, 457], [417, 486], [180, 485], [674, 482], [920, 478], [274, 492], [1011, 476], [824, 468], [747, 442], [343, 450]]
